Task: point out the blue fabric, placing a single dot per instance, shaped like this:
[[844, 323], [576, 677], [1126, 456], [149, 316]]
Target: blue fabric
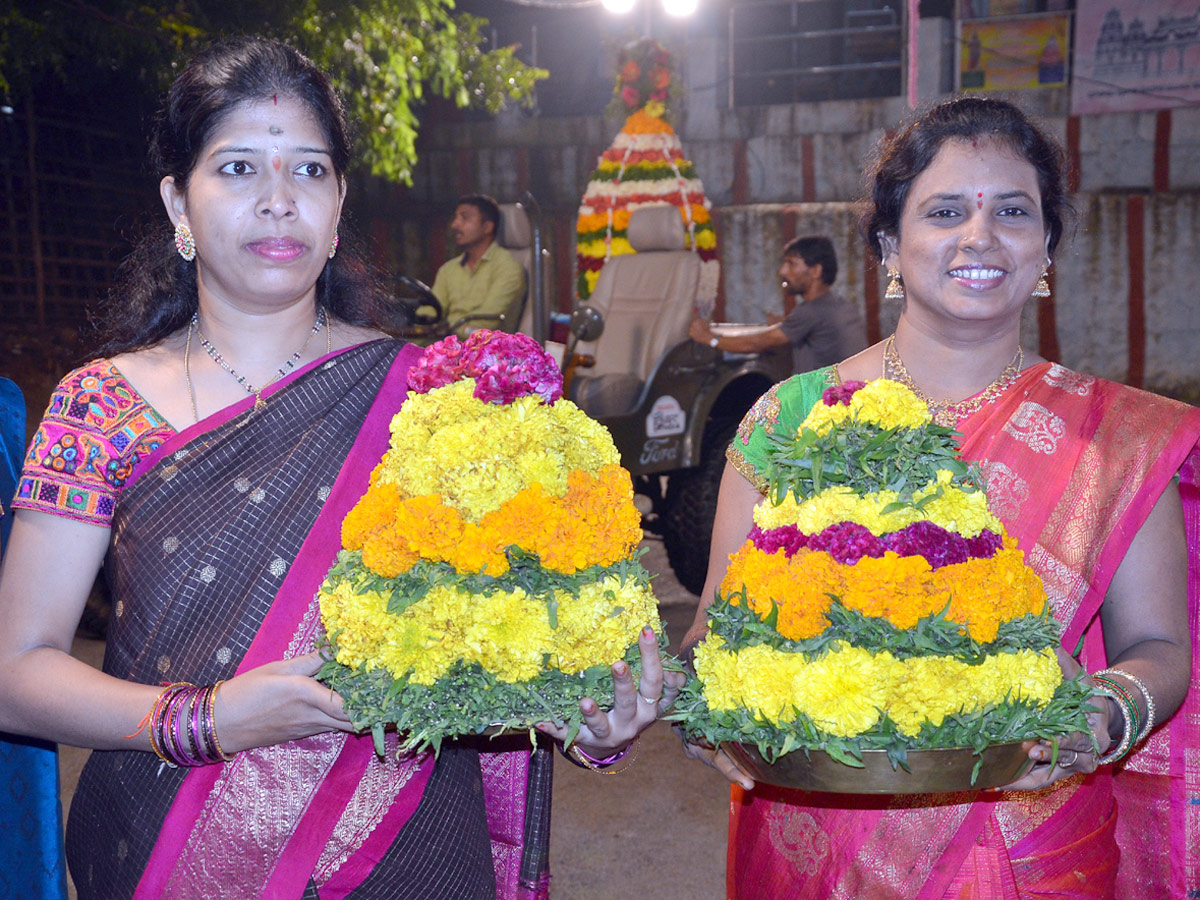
[[32, 866]]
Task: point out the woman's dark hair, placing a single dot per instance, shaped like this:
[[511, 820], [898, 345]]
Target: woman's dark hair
[[155, 293], [905, 155]]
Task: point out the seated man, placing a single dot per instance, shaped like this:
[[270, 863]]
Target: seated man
[[484, 280], [821, 326]]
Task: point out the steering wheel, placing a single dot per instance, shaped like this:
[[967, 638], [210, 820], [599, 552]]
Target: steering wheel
[[425, 297]]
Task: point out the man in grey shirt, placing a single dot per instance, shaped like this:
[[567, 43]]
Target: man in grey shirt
[[822, 328]]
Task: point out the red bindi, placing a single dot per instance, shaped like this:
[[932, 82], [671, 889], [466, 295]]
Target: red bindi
[[275, 99], [979, 202]]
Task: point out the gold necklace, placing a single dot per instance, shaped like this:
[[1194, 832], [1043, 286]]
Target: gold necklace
[[259, 402], [944, 412]]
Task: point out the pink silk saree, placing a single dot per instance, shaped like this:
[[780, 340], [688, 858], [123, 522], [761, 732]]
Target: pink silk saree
[[325, 809], [1074, 465]]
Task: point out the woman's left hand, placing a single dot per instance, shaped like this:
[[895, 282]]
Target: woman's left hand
[[1076, 752], [635, 706]]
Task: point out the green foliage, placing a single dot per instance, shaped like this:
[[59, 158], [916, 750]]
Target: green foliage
[[934, 635], [866, 458], [384, 55]]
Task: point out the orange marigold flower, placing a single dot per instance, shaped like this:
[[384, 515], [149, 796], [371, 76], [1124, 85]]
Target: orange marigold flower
[[641, 122], [386, 553], [376, 509], [800, 587], [988, 592]]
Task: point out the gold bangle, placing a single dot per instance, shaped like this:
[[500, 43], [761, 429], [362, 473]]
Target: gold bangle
[[579, 756]]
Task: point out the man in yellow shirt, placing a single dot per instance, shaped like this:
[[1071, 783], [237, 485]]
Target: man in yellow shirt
[[484, 280]]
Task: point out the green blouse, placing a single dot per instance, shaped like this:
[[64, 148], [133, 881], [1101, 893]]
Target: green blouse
[[781, 409]]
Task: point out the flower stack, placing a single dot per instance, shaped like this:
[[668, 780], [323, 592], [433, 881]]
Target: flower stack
[[645, 166], [489, 575], [877, 603]]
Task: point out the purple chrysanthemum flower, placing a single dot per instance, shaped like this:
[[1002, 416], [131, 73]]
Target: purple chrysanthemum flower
[[787, 538], [504, 366], [939, 546], [847, 542], [984, 545], [841, 393]]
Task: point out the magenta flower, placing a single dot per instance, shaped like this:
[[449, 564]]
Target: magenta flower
[[848, 542], [504, 366], [841, 393]]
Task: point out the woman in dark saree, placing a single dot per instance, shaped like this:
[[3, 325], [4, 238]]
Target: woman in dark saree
[[209, 470]]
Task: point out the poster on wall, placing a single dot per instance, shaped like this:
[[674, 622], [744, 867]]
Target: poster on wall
[[1135, 54], [1012, 54]]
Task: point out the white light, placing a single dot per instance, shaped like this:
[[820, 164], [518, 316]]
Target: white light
[[618, 6], [680, 7]]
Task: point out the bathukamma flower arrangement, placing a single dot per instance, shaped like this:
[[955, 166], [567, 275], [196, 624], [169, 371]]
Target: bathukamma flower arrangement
[[489, 576], [877, 604]]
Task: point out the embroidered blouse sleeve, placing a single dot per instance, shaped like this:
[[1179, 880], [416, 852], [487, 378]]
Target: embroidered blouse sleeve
[[781, 409], [95, 430]]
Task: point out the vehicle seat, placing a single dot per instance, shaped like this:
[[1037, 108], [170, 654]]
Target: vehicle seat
[[516, 236], [647, 300]]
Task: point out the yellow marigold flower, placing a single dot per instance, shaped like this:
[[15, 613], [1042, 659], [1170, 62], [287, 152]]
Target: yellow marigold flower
[[843, 691], [478, 455], [597, 627], [700, 214], [600, 248], [881, 402], [509, 634], [956, 510]]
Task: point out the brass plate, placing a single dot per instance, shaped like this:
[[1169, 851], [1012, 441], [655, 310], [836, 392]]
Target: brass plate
[[932, 771]]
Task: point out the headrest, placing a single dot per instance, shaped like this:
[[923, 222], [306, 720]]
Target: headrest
[[656, 228], [515, 233]]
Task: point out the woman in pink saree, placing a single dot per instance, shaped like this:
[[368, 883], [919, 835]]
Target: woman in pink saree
[[967, 209], [216, 508]]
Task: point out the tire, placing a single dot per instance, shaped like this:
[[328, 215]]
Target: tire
[[690, 507]]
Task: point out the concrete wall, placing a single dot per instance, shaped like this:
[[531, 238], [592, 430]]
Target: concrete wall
[[1125, 306]]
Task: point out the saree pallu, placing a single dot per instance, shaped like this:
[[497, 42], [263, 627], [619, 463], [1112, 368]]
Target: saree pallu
[[220, 542], [1073, 466]]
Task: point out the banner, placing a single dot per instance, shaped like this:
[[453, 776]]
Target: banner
[[1011, 54], [1135, 54]]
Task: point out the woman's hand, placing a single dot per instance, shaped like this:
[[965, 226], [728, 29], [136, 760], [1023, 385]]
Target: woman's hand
[[277, 702], [635, 707], [1076, 752], [718, 759]]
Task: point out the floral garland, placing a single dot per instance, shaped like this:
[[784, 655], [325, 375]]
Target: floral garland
[[888, 610], [488, 575]]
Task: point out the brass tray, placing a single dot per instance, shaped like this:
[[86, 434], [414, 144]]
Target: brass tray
[[930, 771]]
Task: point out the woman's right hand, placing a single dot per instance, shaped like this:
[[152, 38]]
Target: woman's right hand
[[277, 702], [718, 759]]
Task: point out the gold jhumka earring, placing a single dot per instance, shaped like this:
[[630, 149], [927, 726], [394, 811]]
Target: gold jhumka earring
[[895, 288], [1041, 290]]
